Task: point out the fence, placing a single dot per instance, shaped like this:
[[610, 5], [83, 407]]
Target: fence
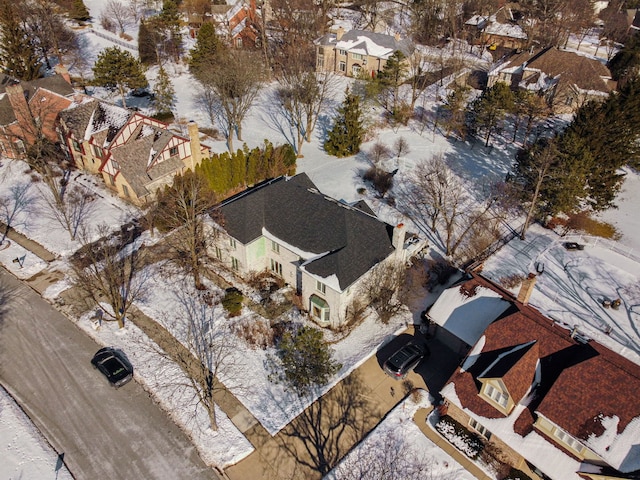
[[115, 40], [592, 241]]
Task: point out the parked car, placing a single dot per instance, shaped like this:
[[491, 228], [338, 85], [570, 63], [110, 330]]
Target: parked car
[[573, 246], [405, 359], [114, 365]]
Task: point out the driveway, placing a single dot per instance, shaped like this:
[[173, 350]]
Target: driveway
[[103, 432]]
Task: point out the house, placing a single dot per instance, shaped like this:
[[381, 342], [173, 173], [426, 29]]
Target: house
[[29, 110], [566, 79], [358, 52], [237, 24], [498, 30], [322, 247], [555, 404], [134, 153]]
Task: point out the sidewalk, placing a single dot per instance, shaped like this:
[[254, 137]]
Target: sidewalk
[[420, 418], [33, 247]]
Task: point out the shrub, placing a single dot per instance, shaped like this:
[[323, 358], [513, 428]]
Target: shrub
[[459, 437], [380, 180], [438, 272], [232, 301], [167, 117], [515, 474], [583, 222], [402, 114], [256, 332], [511, 281]]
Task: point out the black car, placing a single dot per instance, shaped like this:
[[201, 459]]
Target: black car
[[573, 246], [114, 364], [405, 359]]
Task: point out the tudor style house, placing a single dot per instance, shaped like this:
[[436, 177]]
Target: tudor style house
[[30, 109], [555, 404], [135, 154], [322, 247], [566, 79], [358, 52]]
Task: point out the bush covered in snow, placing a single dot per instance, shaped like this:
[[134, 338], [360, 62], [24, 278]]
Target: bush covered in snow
[[459, 437]]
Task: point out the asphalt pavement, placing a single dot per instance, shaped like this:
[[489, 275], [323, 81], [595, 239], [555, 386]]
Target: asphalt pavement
[[103, 432]]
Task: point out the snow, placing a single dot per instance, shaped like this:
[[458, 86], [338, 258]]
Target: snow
[[570, 290], [465, 316], [24, 451], [399, 433]]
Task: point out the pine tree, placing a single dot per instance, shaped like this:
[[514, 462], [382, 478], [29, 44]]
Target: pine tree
[[491, 107], [347, 133], [116, 69], [17, 52], [164, 92], [207, 46], [79, 11], [147, 44]]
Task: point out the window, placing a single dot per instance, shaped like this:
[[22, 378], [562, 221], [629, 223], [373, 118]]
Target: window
[[173, 151], [356, 56], [218, 253], [342, 66], [319, 309], [234, 263], [125, 190], [112, 180], [481, 429], [20, 148], [321, 287], [275, 247], [320, 51], [116, 165], [232, 242], [239, 42], [276, 267], [496, 395], [97, 151], [320, 62], [568, 440], [76, 146], [342, 52]]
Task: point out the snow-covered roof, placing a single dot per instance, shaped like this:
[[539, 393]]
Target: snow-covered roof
[[571, 387], [467, 314], [363, 42]]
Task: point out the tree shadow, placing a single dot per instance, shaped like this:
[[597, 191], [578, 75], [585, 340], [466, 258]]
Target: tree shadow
[[325, 431]]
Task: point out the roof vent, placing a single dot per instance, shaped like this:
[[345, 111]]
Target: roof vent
[[579, 336]]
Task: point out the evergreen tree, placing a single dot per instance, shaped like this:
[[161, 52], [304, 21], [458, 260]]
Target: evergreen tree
[[390, 78], [626, 63], [347, 133], [491, 107], [116, 69], [207, 46], [304, 361], [147, 44], [17, 51], [164, 92], [79, 11]]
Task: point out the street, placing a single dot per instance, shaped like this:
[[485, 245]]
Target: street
[[103, 432]]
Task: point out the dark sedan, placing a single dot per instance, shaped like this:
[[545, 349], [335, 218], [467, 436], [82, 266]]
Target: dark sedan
[[114, 365]]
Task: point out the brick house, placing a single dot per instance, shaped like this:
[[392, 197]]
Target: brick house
[[135, 154], [358, 52], [567, 80], [30, 109], [320, 246], [555, 404], [237, 24]]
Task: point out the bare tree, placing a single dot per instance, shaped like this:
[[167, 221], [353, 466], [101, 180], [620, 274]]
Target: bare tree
[[70, 207], [302, 97], [182, 207], [118, 13], [233, 81], [382, 289], [16, 202], [438, 200], [210, 348], [106, 271], [378, 154], [401, 147]]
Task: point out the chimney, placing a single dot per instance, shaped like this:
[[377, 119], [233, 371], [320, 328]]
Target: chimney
[[526, 289], [397, 240], [339, 33], [194, 140], [61, 70]]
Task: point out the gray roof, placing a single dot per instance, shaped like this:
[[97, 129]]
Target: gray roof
[[137, 158], [294, 211], [103, 117]]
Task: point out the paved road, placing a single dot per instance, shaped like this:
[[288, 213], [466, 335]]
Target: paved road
[[103, 432]]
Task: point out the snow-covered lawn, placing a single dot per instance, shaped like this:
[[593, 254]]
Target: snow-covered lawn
[[398, 445], [25, 453]]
